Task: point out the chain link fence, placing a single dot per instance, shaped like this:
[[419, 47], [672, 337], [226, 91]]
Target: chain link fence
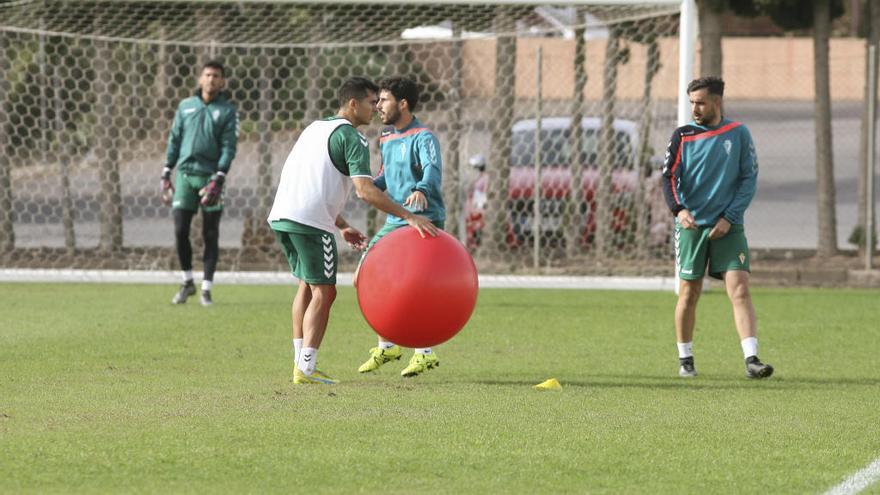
[[551, 161]]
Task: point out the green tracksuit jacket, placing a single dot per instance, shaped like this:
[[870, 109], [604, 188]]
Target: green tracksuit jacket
[[203, 137]]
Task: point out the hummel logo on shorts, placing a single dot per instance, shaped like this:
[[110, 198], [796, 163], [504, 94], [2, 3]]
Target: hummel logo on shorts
[[329, 265]]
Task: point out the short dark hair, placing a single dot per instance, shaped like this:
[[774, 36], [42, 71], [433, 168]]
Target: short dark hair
[[714, 84], [355, 87], [214, 64], [403, 89]]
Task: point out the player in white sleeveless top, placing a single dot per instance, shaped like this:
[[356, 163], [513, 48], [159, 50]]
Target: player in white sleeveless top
[[328, 159]]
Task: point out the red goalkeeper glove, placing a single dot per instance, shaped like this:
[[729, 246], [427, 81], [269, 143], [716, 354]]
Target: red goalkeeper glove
[[211, 193], [167, 186]]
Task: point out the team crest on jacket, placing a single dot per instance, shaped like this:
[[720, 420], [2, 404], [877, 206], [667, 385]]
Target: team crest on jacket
[[727, 145]]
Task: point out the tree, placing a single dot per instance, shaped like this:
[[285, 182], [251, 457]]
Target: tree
[[711, 14], [615, 54], [803, 14], [574, 216], [7, 234], [824, 146], [451, 181], [266, 107], [106, 143], [643, 158]]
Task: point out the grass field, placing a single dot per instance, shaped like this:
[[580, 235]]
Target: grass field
[[108, 388]]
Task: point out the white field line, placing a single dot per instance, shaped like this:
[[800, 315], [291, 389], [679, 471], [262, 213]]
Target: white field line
[[344, 279], [858, 481]]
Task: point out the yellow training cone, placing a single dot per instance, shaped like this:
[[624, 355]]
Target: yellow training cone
[[551, 384]]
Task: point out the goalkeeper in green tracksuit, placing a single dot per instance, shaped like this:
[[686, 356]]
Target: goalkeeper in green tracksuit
[[201, 145]]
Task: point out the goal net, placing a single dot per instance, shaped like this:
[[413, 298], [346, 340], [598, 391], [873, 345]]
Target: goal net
[[552, 119]]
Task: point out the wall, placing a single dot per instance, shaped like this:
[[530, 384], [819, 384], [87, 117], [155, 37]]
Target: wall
[[754, 68]]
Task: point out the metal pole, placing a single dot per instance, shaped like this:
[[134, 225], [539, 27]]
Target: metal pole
[[687, 40], [536, 195], [872, 117]]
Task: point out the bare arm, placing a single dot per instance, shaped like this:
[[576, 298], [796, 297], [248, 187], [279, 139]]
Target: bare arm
[[352, 236]]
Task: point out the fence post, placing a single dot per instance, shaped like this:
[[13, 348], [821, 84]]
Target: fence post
[[872, 117], [536, 191]]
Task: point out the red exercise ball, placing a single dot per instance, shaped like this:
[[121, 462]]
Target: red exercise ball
[[417, 292]]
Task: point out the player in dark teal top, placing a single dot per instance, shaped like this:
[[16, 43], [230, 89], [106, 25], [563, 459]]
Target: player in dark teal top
[[411, 170], [722, 190], [411, 175], [710, 176]]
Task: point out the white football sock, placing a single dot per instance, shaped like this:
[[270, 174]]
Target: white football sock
[[749, 346], [207, 284], [187, 276], [384, 345], [685, 349], [308, 356], [297, 348], [425, 351]]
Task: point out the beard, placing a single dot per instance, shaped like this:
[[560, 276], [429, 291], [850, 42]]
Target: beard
[[390, 117], [703, 119]]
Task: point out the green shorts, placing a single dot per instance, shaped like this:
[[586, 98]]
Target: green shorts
[[693, 250], [186, 193], [310, 252]]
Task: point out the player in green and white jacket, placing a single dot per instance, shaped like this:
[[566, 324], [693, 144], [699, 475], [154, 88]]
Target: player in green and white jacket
[[201, 146], [329, 158]]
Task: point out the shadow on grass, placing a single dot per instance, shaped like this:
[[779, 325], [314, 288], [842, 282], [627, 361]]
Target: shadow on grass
[[710, 382], [779, 383]]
